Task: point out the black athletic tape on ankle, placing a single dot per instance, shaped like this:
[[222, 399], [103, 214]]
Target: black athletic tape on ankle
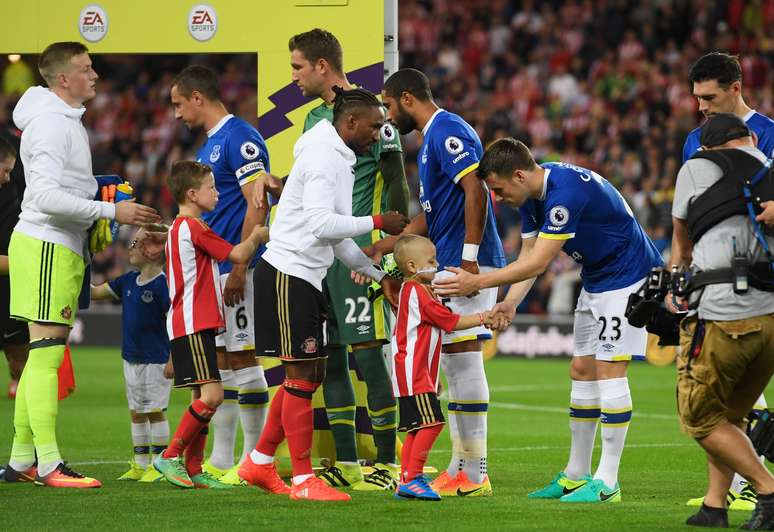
[[299, 393], [198, 416], [47, 342]]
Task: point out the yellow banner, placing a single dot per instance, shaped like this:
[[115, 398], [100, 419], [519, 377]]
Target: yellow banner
[[218, 26]]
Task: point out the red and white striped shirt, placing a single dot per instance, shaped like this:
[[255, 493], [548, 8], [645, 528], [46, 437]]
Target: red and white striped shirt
[[416, 340], [196, 299]]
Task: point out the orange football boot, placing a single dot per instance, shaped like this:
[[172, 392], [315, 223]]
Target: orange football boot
[[314, 489], [64, 477], [264, 476], [441, 481], [28, 475]]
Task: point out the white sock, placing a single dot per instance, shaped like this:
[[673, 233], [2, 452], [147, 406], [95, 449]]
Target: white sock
[[20, 466], [259, 458], [45, 469], [159, 431], [456, 462], [253, 403], [739, 482], [141, 440], [616, 413], [299, 479], [468, 405], [224, 423], [584, 416]]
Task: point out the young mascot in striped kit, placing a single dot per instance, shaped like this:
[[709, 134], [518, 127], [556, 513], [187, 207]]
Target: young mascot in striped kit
[[416, 348], [195, 317]]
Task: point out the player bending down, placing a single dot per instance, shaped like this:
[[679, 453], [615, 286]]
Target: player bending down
[[416, 348], [144, 301], [568, 207], [196, 315]]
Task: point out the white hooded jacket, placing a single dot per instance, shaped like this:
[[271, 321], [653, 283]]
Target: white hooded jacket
[[314, 218], [58, 204]]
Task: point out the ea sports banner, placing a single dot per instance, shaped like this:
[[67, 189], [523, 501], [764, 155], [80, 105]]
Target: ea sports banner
[[218, 26]]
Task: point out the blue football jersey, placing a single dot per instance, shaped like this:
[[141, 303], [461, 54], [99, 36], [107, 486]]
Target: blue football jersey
[[237, 154], [761, 125], [144, 309], [601, 233], [450, 150]]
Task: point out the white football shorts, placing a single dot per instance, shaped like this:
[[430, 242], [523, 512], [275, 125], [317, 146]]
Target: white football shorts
[[481, 302], [147, 390], [239, 334], [602, 330]]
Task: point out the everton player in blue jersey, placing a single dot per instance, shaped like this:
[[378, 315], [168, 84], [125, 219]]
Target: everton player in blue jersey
[[566, 207], [457, 216], [238, 157], [716, 81], [144, 301]]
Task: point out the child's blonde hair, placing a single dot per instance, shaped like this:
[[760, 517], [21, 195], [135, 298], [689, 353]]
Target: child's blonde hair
[[405, 248]]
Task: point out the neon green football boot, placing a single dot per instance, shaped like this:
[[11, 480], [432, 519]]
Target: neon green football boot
[[214, 471], [151, 475], [232, 477], [208, 481], [341, 475], [135, 472], [559, 487], [384, 477], [173, 470]]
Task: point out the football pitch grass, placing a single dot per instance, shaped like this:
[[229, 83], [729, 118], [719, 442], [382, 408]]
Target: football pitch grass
[[528, 441]]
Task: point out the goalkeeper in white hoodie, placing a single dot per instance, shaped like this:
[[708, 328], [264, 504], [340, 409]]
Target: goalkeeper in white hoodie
[[48, 251]]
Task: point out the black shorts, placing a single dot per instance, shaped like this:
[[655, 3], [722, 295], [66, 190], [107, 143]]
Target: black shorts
[[12, 332], [194, 359], [289, 316], [419, 411]]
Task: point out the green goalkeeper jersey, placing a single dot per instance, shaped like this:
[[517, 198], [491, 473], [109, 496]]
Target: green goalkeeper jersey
[[368, 191]]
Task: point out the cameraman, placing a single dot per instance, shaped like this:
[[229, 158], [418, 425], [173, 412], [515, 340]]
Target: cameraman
[[727, 347]]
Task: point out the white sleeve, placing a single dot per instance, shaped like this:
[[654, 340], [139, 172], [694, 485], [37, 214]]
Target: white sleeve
[[319, 201], [353, 257], [48, 148]]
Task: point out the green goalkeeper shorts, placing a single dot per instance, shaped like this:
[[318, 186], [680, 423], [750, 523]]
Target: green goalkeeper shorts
[[352, 318], [46, 280]]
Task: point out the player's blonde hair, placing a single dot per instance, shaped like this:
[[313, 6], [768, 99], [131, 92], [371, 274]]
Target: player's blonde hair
[[55, 59], [406, 248]]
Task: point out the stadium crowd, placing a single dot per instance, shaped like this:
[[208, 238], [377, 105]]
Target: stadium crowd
[[616, 101]]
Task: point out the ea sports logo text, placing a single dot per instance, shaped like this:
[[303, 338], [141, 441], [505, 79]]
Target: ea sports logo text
[[93, 23], [202, 22]]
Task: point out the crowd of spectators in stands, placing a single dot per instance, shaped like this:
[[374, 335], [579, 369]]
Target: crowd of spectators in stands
[[601, 83]]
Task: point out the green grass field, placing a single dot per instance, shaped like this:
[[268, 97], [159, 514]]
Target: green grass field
[[528, 439]]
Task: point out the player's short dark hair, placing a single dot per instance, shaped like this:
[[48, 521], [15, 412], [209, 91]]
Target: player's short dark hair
[[724, 68], [319, 44], [56, 57], [184, 176], [6, 149], [198, 78], [408, 80], [505, 156], [347, 102]]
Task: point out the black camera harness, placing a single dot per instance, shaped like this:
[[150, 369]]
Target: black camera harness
[[732, 195]]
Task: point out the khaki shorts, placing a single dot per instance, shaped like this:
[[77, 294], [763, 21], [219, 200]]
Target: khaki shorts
[[721, 383]]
